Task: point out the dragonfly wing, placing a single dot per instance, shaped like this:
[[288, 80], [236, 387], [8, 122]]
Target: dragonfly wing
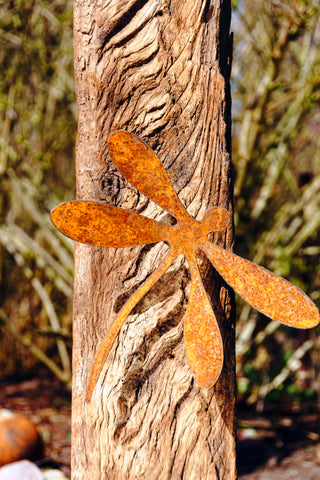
[[106, 226], [272, 295], [202, 335], [140, 165]]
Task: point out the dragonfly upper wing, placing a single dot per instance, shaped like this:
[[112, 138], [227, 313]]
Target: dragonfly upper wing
[[272, 295], [202, 335], [106, 226], [140, 165]]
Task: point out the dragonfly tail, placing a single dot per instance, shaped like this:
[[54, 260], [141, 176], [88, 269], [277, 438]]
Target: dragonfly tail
[[120, 319]]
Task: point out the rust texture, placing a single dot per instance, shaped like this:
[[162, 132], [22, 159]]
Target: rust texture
[[98, 224]]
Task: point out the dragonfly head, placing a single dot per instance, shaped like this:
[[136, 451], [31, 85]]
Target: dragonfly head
[[215, 219]]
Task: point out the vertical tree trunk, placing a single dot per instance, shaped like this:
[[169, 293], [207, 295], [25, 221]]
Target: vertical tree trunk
[[159, 69]]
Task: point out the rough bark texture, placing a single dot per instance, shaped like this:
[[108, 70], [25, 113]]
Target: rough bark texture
[[159, 69]]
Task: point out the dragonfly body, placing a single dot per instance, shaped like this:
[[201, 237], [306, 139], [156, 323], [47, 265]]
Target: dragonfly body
[[107, 226]]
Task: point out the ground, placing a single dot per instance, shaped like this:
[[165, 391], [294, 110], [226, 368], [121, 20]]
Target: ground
[[48, 404], [278, 445]]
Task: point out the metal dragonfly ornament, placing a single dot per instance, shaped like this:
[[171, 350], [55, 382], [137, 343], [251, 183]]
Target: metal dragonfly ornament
[[106, 226]]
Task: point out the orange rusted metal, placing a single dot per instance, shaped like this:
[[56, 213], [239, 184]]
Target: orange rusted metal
[[106, 226]]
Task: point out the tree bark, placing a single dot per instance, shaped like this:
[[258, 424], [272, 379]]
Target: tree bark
[[159, 69]]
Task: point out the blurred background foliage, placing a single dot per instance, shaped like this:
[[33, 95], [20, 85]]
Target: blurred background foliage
[[276, 157], [38, 130]]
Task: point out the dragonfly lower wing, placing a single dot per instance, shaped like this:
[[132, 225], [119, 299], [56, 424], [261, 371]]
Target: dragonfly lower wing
[[272, 295], [202, 336]]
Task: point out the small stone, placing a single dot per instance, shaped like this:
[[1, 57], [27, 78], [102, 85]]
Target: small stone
[[23, 470], [53, 475]]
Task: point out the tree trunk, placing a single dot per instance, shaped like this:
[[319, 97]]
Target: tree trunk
[[161, 70]]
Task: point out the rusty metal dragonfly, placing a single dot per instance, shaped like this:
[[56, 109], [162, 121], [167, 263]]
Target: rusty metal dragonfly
[[102, 225]]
